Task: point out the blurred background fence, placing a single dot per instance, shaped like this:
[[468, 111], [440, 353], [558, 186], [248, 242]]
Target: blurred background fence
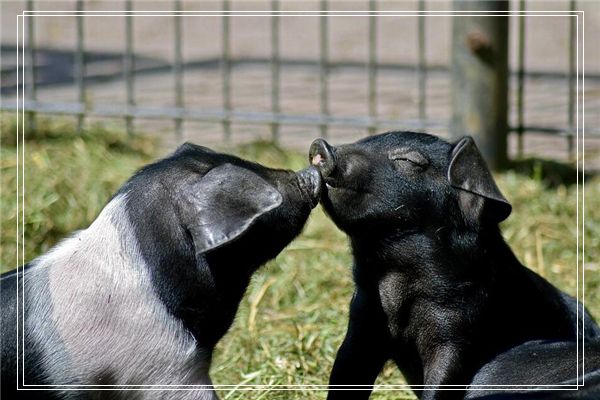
[[289, 72]]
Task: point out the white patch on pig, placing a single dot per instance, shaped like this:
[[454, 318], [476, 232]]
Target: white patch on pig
[[108, 317]]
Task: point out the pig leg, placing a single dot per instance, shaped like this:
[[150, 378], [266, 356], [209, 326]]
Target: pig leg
[[444, 368], [363, 352]]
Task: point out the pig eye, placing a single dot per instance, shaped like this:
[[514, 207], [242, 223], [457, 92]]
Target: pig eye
[[412, 157]]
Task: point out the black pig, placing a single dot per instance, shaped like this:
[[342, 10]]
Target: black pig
[[143, 294], [436, 287]]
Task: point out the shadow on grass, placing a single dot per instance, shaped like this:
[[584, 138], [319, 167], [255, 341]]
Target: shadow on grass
[[551, 173]]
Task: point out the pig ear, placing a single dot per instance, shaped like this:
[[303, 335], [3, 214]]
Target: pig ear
[[223, 204], [191, 147], [479, 197]]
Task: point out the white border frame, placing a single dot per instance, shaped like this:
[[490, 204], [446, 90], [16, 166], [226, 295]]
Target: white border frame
[[249, 387]]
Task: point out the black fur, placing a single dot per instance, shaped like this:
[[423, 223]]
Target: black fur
[[199, 224], [540, 363], [436, 287]]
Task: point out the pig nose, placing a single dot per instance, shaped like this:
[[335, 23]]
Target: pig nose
[[310, 182], [322, 156]]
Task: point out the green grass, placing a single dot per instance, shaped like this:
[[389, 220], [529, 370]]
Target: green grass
[[294, 314]]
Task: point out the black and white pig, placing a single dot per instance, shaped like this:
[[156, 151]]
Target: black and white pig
[[143, 294]]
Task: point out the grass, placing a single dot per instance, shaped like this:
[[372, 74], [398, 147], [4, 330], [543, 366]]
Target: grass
[[68, 179], [294, 315]]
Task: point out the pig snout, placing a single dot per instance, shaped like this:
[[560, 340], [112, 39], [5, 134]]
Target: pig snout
[[321, 155], [310, 182]]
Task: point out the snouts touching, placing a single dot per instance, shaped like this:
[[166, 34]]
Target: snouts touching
[[322, 156], [310, 182]]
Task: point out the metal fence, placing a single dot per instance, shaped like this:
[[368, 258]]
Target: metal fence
[[275, 118]]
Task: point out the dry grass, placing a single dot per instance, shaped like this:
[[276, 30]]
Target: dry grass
[[294, 314]]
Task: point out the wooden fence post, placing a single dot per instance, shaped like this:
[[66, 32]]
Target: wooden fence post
[[480, 77]]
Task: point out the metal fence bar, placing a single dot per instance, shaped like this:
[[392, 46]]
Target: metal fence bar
[[520, 80], [80, 65], [177, 67], [422, 64], [247, 117], [226, 69], [372, 65], [316, 120], [128, 64], [571, 79], [324, 64], [275, 66], [30, 65]]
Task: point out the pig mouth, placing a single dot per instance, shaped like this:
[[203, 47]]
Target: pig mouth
[[330, 183], [334, 185]]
